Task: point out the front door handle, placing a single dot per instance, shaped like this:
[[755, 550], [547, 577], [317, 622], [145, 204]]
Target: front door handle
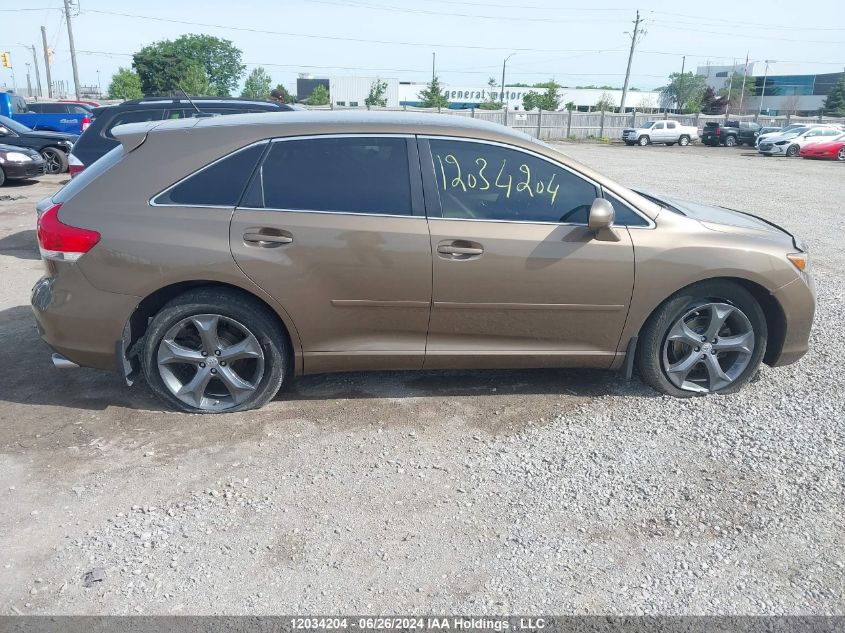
[[267, 238], [460, 249]]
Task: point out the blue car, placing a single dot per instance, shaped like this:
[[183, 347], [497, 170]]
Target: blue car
[[73, 119]]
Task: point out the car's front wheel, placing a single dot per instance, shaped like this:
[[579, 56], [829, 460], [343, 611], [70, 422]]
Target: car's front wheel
[[212, 351], [707, 338], [55, 160], [643, 141], [792, 150]]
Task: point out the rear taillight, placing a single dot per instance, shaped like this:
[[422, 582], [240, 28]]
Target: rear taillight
[[86, 121], [74, 165], [718, 131], [62, 242]]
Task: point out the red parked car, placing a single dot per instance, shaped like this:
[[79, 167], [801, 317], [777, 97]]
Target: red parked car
[[833, 149]]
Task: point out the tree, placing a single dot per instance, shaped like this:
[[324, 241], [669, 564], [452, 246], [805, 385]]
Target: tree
[[377, 97], [125, 84], [491, 103], [684, 92], [710, 103], [531, 100], [734, 91], [432, 96], [834, 104], [163, 66], [605, 102], [569, 106], [287, 96], [320, 96], [257, 84]]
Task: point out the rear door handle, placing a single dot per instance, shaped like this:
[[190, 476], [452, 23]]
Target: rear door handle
[[460, 249], [267, 238]]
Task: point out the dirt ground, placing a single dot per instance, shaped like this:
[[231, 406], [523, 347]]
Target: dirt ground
[[416, 492]]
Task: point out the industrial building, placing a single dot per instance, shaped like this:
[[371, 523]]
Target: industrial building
[[777, 88], [352, 92]]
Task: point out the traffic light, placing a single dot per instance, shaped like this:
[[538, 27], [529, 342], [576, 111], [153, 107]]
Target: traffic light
[[6, 59]]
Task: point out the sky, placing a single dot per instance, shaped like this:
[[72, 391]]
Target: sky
[[575, 43]]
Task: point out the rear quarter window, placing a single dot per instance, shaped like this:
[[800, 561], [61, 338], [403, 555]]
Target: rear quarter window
[[218, 184], [133, 116]]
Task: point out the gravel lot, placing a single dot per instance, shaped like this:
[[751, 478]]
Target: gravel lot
[[477, 492]]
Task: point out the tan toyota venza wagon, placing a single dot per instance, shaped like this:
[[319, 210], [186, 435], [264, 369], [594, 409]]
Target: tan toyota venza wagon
[[220, 257]]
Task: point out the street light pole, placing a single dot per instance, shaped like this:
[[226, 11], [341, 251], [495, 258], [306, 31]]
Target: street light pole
[[504, 64]]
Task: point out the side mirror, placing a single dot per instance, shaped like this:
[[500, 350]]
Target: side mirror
[[601, 215], [4, 131], [601, 220]]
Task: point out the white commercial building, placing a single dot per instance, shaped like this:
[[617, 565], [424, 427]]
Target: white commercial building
[[353, 91], [469, 96]]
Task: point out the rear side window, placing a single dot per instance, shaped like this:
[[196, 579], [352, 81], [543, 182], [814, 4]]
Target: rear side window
[[347, 175], [133, 116], [219, 184]]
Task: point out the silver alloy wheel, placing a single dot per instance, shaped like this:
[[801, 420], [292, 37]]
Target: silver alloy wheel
[[840, 155], [708, 348], [210, 362], [684, 141], [643, 141], [52, 160]]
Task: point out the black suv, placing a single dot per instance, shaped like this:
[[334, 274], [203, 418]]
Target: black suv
[[730, 133], [97, 140]]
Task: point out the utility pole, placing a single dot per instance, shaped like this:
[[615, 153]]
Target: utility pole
[[37, 73], [730, 89], [763, 93], [72, 50], [47, 62], [742, 91], [28, 81], [681, 86], [630, 60], [433, 57], [505, 63]]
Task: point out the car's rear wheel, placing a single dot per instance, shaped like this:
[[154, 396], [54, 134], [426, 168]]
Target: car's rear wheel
[[707, 338], [840, 155], [792, 150], [211, 351], [730, 141], [2, 177], [643, 141], [630, 143], [683, 141], [55, 160]]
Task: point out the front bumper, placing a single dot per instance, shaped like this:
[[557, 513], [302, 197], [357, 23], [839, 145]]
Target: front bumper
[[798, 301], [771, 149], [80, 322], [20, 171]]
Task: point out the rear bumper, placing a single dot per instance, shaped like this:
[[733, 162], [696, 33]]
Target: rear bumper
[[81, 323], [798, 301]]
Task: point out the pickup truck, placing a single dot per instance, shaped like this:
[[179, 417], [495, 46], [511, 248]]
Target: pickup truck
[[667, 132], [730, 133], [69, 120]]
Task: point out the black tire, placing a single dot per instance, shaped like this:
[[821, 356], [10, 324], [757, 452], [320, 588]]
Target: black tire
[[669, 144], [55, 159], [629, 143], [643, 140], [248, 313], [683, 141], [792, 150], [2, 177], [730, 141], [654, 333]]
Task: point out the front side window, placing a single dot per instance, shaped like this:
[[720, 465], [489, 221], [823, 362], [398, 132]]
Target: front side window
[[623, 214], [481, 181], [341, 174], [219, 184]]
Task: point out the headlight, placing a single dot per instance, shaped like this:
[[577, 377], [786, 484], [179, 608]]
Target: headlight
[[781, 142], [17, 157]]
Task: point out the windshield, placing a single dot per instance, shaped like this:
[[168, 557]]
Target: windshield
[[14, 125], [796, 132], [659, 201], [647, 124]]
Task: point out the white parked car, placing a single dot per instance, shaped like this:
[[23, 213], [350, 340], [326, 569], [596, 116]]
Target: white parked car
[[667, 132], [790, 143]]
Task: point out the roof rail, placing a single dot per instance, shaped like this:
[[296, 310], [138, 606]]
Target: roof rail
[[185, 99]]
